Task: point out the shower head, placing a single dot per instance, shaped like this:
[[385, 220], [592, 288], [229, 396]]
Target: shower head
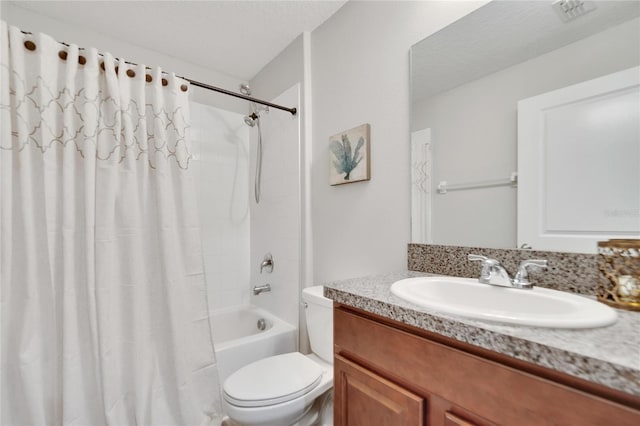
[[250, 120], [245, 89]]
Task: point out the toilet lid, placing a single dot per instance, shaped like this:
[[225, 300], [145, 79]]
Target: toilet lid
[[272, 380]]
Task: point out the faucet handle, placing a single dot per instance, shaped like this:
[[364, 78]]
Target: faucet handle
[[267, 263], [487, 265], [479, 257], [540, 263], [521, 279], [486, 261]]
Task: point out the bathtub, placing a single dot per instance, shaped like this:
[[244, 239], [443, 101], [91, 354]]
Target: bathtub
[[238, 341]]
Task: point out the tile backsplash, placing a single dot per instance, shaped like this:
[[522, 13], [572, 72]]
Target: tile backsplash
[[572, 272]]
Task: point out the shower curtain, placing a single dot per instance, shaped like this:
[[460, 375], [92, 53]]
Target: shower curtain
[[104, 315]]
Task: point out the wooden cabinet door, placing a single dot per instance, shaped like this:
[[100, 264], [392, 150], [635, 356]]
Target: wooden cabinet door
[[362, 398]]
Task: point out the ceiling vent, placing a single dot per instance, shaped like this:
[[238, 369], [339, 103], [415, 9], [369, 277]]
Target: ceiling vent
[[569, 10]]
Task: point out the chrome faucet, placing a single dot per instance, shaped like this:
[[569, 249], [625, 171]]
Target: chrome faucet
[[267, 263], [257, 289], [494, 273]]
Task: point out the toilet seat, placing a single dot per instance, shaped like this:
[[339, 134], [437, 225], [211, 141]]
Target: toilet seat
[[272, 380]]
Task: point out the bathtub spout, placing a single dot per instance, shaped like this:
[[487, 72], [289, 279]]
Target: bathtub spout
[[257, 289]]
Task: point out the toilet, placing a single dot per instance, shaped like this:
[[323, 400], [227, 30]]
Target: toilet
[[288, 389]]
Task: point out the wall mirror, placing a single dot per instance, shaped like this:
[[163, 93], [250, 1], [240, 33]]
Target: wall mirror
[[477, 84]]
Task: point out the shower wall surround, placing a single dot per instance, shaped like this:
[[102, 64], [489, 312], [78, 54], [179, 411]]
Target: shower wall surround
[[572, 272], [293, 66], [220, 144], [275, 221]]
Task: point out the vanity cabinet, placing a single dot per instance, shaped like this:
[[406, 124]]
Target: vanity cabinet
[[388, 373]]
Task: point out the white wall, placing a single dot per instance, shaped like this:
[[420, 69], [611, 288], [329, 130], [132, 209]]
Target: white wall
[[487, 107], [282, 72], [220, 142], [86, 37], [275, 220], [360, 74]]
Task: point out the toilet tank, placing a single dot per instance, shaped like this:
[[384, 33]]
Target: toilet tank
[[319, 315]]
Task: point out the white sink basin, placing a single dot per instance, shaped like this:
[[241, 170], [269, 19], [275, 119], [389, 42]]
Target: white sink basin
[[538, 307]]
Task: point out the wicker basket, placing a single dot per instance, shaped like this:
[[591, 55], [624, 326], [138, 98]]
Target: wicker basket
[[619, 264]]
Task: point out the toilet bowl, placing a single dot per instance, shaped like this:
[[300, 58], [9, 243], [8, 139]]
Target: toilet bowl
[[281, 390]]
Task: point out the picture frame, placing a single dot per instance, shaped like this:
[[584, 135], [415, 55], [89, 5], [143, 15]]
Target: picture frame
[[350, 156]]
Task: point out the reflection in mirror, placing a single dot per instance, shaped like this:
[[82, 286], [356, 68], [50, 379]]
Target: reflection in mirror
[[467, 81]]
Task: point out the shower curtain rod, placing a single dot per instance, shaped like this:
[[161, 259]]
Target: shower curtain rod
[[293, 111]]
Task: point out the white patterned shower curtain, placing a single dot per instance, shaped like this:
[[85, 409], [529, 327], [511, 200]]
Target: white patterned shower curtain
[[104, 315]]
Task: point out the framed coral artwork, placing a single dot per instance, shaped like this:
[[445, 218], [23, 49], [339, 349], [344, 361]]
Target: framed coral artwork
[[349, 156]]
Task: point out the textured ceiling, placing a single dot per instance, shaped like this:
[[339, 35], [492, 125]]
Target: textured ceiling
[[235, 37], [502, 34]]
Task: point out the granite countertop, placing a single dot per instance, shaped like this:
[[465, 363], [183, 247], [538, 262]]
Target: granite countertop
[[609, 355]]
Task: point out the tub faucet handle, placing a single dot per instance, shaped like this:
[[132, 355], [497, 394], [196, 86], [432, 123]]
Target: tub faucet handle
[[267, 263]]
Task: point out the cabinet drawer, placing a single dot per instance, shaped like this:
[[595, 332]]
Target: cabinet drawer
[[491, 390]]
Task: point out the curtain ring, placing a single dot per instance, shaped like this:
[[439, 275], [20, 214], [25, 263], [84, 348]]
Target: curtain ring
[[184, 87], [63, 55], [165, 82], [148, 78], [29, 45], [131, 73], [82, 60]]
